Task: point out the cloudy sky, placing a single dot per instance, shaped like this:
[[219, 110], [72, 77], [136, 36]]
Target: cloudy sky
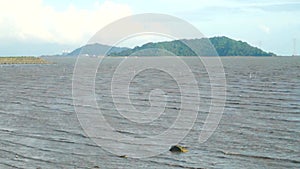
[[38, 27]]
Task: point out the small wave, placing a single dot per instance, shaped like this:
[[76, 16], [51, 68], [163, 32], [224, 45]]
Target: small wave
[[173, 165], [259, 157]]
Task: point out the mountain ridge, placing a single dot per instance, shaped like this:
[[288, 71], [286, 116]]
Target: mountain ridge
[[96, 49], [223, 46]]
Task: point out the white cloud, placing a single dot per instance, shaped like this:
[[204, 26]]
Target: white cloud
[[33, 20]]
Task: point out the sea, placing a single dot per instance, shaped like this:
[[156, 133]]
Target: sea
[[259, 125]]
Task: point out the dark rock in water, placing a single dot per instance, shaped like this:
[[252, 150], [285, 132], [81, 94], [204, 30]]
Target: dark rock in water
[[123, 156], [178, 149]]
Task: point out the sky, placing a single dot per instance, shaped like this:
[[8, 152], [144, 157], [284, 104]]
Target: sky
[[42, 27]]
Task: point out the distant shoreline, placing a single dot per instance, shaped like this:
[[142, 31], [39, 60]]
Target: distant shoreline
[[60, 56], [22, 60]]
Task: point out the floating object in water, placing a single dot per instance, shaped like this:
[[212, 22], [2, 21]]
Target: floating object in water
[[178, 149], [123, 156]]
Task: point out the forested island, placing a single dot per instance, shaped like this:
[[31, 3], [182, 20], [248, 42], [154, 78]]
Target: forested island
[[221, 46], [224, 46]]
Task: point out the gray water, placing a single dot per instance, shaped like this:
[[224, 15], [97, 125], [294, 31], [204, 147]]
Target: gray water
[[260, 127]]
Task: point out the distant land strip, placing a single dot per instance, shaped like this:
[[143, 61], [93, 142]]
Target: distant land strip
[[220, 46], [22, 60]]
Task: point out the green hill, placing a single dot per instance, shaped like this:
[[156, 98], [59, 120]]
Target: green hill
[[229, 47], [224, 46]]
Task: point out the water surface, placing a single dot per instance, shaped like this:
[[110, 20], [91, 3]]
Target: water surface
[[260, 127]]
